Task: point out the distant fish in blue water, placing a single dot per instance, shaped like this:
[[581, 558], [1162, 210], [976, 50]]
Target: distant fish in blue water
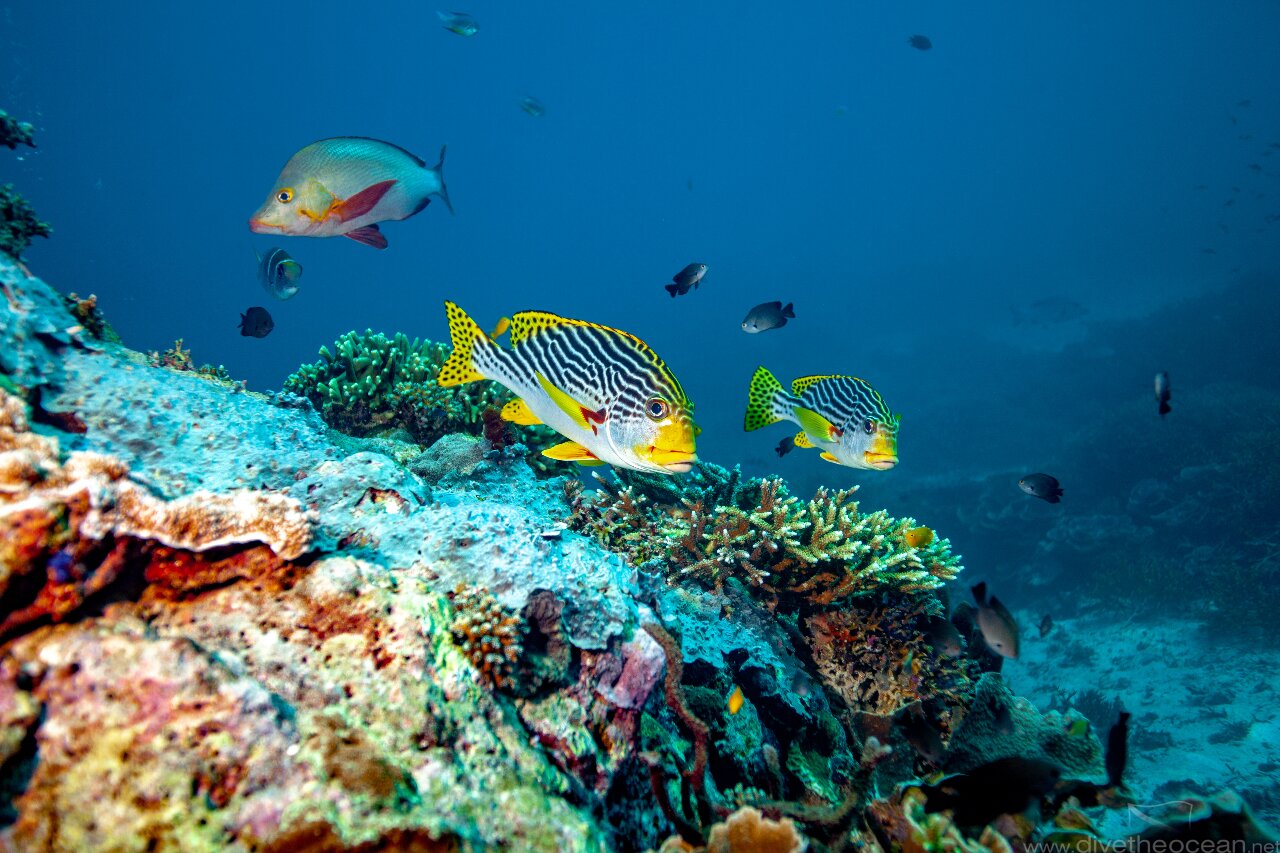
[[1162, 392], [345, 186], [766, 316], [1043, 486], [785, 446], [841, 415], [256, 323], [459, 22], [685, 280], [999, 628], [1045, 626], [278, 273], [920, 42], [532, 106]]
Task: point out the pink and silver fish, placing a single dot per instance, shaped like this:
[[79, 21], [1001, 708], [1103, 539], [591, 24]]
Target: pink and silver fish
[[345, 186]]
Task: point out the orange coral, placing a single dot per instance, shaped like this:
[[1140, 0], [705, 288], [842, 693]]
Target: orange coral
[[487, 634], [745, 831], [70, 529]]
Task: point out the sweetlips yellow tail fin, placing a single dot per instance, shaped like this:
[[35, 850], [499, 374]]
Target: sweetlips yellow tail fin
[[466, 335], [571, 451], [518, 412], [761, 400], [802, 440]]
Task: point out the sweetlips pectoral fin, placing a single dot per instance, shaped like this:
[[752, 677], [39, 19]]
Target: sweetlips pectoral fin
[[827, 456], [582, 416], [815, 424], [369, 235], [802, 440], [571, 451], [518, 412], [362, 202]]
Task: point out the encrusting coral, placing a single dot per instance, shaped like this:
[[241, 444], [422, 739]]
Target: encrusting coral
[[74, 523], [490, 637]]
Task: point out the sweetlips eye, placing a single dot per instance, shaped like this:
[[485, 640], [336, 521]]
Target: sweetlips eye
[[285, 195], [656, 408], [868, 426]]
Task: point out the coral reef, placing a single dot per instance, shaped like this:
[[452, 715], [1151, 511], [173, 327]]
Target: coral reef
[[488, 635], [14, 133], [819, 552], [86, 310], [178, 358], [371, 383], [19, 224], [1000, 725], [18, 221], [226, 625]]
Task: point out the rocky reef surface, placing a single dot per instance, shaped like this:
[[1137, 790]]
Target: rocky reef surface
[[225, 625]]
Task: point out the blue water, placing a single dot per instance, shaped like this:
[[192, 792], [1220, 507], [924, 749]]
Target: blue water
[[914, 206]]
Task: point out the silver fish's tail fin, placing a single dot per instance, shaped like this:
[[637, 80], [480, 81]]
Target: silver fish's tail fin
[[473, 350], [790, 311], [444, 191], [767, 401]]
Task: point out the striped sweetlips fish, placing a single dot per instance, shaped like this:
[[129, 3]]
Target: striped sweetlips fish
[[603, 389], [345, 186], [279, 273], [842, 415]]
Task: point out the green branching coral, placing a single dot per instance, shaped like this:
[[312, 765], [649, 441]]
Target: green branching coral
[[821, 551], [371, 382]]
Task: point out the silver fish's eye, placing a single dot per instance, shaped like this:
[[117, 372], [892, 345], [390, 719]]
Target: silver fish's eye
[[868, 426], [285, 195], [657, 408]]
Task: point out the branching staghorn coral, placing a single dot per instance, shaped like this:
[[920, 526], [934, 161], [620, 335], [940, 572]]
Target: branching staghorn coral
[[821, 552]]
